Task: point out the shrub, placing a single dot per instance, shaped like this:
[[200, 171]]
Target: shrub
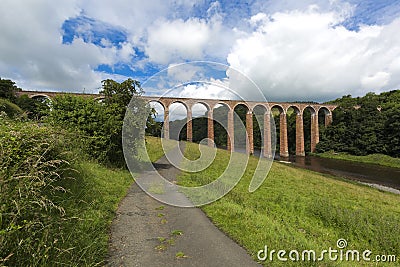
[[93, 124], [10, 109], [101, 122]]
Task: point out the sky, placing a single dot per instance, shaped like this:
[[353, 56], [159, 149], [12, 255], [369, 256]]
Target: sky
[[292, 50]]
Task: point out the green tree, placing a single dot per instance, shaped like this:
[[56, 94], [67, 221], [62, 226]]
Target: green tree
[[364, 125], [123, 100], [8, 89], [153, 128], [120, 93], [101, 123]]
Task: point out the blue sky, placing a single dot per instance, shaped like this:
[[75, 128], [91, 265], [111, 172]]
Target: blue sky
[[293, 50]]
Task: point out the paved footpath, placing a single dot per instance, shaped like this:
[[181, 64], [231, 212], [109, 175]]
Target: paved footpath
[[139, 229]]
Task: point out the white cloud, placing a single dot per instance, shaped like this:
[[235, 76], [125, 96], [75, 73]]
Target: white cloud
[[178, 40], [172, 41], [291, 55], [32, 53], [31, 49], [213, 89], [183, 72], [304, 56], [379, 79]]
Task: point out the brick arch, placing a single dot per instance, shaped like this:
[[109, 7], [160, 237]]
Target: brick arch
[[223, 104], [296, 108], [39, 95], [156, 101], [266, 136], [244, 104], [312, 109], [264, 106], [249, 126], [327, 115], [325, 110], [279, 107], [283, 138], [204, 103], [179, 102], [299, 130], [314, 125]]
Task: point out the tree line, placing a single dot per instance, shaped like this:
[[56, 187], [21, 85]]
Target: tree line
[[364, 125]]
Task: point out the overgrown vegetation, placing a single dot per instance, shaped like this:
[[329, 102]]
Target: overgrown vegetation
[[302, 210], [8, 89], [34, 108], [56, 205], [100, 121], [56, 201], [9, 109]]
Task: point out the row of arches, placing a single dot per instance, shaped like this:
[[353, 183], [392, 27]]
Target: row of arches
[[258, 131], [220, 121]]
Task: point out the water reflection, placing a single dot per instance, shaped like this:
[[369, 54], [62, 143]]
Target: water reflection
[[362, 172], [353, 170]]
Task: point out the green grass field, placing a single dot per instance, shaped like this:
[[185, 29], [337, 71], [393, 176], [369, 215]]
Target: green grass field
[[378, 159], [300, 209]]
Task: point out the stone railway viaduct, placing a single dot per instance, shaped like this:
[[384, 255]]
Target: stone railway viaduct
[[210, 104]]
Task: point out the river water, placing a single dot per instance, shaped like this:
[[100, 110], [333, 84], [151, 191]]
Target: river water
[[362, 172]]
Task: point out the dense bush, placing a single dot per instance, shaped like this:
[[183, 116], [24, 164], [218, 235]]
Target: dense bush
[[9, 109], [100, 122], [56, 206], [50, 213], [88, 119]]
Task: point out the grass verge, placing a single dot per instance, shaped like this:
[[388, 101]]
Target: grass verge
[[155, 149], [56, 206], [297, 209], [377, 159], [90, 205]]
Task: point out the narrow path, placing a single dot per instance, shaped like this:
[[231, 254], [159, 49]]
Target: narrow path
[[146, 232]]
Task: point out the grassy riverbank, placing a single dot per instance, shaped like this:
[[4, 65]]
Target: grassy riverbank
[[377, 159], [297, 209]]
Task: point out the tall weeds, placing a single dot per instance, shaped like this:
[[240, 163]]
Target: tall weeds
[[33, 163]]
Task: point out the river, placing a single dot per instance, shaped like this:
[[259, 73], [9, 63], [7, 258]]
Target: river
[[366, 173], [362, 172]]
